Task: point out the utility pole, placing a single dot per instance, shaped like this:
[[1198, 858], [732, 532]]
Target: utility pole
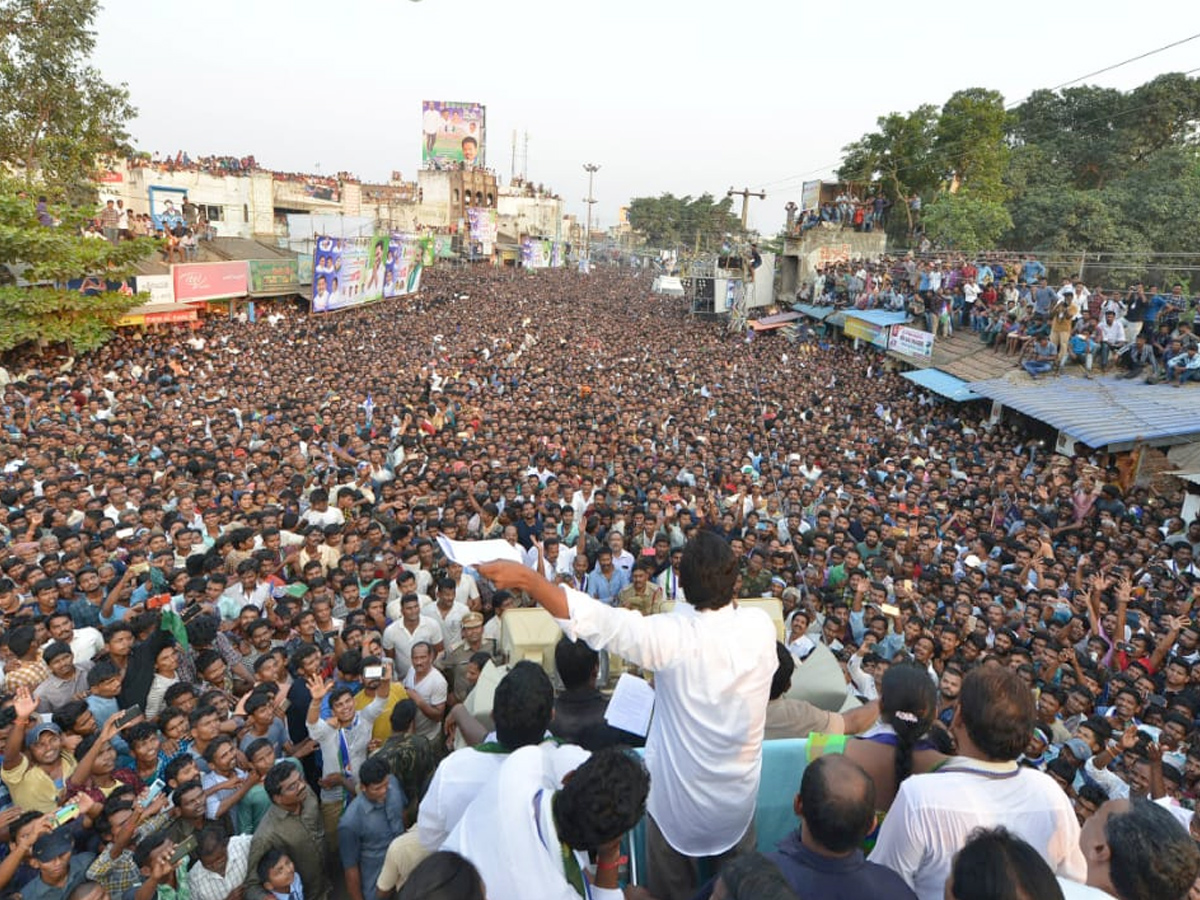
[[745, 194], [591, 169]]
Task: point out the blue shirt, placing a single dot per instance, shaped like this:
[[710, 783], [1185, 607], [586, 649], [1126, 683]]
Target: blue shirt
[[606, 588], [367, 829]]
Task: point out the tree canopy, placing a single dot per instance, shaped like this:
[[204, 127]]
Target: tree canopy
[[1080, 169], [58, 122], [667, 220], [45, 258], [59, 116]]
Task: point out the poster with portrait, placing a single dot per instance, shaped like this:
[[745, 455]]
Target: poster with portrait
[[405, 259], [453, 132], [483, 227], [535, 253], [348, 271]]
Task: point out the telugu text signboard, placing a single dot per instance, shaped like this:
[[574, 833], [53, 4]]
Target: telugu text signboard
[[453, 132], [210, 281], [910, 341], [161, 288], [267, 275]]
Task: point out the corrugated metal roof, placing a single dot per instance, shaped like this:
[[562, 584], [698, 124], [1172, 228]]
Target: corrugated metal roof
[[778, 319], [1103, 412], [813, 312], [942, 383], [881, 317]]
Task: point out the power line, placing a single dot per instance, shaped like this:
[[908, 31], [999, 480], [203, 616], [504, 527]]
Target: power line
[[945, 154], [1014, 104], [1124, 62]]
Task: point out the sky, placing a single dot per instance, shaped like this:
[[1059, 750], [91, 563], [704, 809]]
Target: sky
[[663, 95]]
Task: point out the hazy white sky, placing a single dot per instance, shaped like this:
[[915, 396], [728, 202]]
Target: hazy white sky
[[664, 95]]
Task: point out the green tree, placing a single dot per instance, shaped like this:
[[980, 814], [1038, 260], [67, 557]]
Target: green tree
[[969, 145], [897, 158], [966, 222], [667, 220], [60, 117], [45, 258]]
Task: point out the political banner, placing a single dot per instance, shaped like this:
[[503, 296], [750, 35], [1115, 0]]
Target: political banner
[[304, 269], [483, 228], [910, 341], [94, 287], [453, 132], [405, 258], [810, 195], [274, 275], [443, 246], [557, 255], [161, 288], [866, 331], [355, 271], [210, 281], [535, 253]]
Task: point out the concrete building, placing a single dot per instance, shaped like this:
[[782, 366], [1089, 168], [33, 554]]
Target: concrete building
[[256, 204]]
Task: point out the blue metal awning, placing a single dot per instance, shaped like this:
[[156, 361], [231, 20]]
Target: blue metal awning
[[1103, 412], [942, 383], [884, 318], [814, 312]]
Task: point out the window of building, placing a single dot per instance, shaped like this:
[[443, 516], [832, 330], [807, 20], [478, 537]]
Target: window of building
[[456, 195], [245, 212], [212, 213], [491, 200]]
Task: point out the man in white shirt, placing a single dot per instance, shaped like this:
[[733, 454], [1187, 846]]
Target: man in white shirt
[[85, 642], [555, 559], [521, 710], [465, 589], [428, 689], [713, 663], [983, 787], [411, 628], [320, 512], [622, 558], [583, 498], [1135, 850], [448, 613], [528, 829]]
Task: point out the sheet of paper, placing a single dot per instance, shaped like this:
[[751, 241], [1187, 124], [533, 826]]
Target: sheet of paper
[[631, 705], [471, 553]]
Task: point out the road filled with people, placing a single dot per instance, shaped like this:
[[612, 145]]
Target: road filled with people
[[237, 662]]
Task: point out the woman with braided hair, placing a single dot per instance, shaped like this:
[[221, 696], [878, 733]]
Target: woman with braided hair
[[898, 744]]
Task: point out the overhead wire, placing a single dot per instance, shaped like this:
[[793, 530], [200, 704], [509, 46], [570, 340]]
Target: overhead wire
[[1014, 104]]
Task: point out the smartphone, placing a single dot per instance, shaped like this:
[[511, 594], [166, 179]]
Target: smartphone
[[129, 715], [284, 706], [888, 610], [140, 568], [373, 673], [186, 847], [65, 814], [153, 791]]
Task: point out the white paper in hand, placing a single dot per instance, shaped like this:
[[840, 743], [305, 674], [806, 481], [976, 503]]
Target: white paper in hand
[[631, 705], [471, 553]]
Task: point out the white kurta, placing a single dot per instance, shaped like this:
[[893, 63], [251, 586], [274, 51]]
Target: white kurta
[[712, 679], [460, 778], [508, 833], [933, 816]]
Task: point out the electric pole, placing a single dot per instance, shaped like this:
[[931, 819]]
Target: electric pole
[[745, 194], [591, 169]]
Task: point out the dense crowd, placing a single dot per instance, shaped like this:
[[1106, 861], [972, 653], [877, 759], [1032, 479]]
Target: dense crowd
[[1010, 304], [236, 660]]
